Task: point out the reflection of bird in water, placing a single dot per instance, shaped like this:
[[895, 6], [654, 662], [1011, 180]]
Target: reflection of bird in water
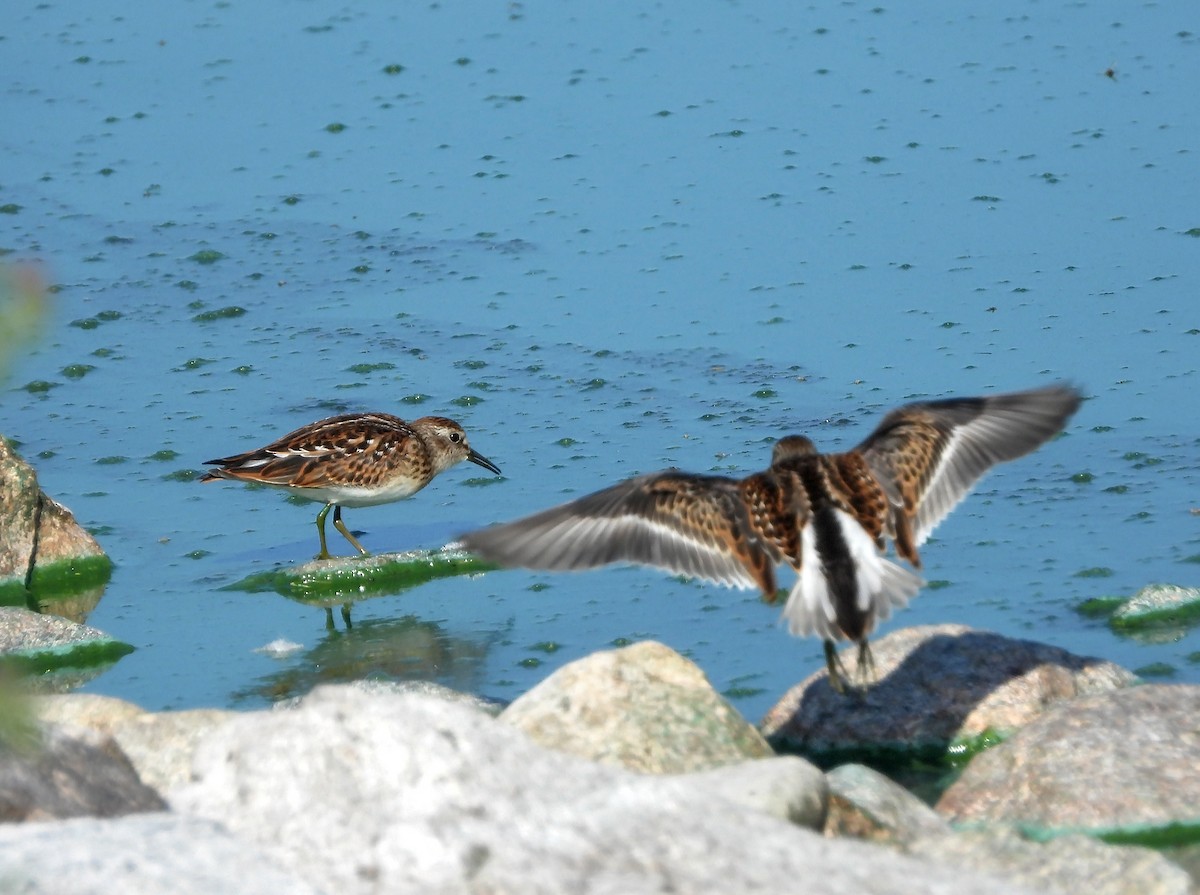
[[827, 516], [384, 650], [354, 460], [329, 625]]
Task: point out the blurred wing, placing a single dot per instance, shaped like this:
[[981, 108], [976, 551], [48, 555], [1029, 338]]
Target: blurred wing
[[690, 525], [928, 456]]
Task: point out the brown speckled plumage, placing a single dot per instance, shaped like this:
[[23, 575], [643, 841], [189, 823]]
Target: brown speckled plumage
[[829, 517], [354, 460]]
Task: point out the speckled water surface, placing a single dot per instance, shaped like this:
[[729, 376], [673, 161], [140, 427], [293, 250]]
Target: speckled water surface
[[608, 238]]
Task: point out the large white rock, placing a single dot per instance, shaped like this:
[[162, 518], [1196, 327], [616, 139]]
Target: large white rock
[[141, 854], [361, 793]]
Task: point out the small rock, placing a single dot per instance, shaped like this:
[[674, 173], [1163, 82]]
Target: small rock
[[1065, 865], [867, 805], [61, 538], [160, 744], [43, 642], [644, 707], [19, 495], [30, 520], [30, 633], [935, 685], [1125, 759], [280, 648], [329, 582], [73, 772], [1157, 604], [785, 787], [103, 714], [431, 689]]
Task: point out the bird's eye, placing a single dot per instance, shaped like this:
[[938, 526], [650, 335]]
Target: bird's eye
[[456, 437]]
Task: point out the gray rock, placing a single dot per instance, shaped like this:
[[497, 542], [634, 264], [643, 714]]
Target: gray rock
[[935, 685], [71, 772], [23, 632], [160, 744], [424, 688], [361, 793], [34, 529], [19, 493], [785, 787], [51, 642], [1188, 857], [867, 805], [1158, 604], [103, 714], [1116, 760], [1066, 865], [58, 654], [643, 707], [145, 854]]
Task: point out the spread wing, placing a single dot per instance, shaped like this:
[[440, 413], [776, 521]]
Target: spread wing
[[687, 524], [928, 456]]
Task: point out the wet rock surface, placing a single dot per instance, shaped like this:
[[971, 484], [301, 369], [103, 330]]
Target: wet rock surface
[[643, 707], [935, 685], [28, 633], [1067, 865], [1123, 759], [865, 804], [70, 773], [34, 528]]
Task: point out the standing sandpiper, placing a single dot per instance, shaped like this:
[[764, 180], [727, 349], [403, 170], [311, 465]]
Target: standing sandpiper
[[354, 460], [827, 516]]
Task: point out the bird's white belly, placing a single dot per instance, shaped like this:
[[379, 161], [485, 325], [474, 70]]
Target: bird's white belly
[[355, 496]]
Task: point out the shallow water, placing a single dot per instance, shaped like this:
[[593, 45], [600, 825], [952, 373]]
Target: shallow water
[[608, 239]]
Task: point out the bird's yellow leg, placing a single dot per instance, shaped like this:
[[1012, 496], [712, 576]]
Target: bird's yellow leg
[[341, 526], [324, 554]]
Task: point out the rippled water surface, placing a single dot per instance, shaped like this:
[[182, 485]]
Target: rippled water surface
[[608, 238]]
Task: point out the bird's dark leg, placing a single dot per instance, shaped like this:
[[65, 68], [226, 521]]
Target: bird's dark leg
[[866, 665], [837, 672], [341, 526], [324, 554], [329, 625]]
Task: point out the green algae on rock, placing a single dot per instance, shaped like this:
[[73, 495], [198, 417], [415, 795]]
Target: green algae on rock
[[1156, 612], [35, 644], [44, 552], [359, 576]]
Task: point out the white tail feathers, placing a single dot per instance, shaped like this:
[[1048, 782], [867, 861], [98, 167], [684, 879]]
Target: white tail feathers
[[881, 584]]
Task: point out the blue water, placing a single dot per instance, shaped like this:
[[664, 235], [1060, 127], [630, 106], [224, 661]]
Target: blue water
[[607, 238]]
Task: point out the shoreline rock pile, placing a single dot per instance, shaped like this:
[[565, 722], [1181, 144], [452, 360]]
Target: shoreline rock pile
[[622, 772]]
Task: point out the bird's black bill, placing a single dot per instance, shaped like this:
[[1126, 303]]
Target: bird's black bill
[[483, 461]]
